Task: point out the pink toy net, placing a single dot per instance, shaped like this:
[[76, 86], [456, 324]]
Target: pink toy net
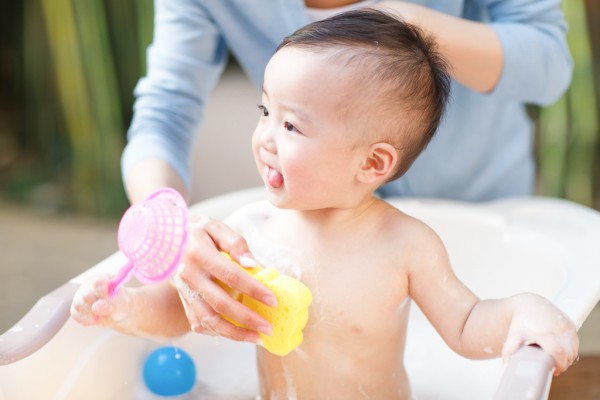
[[152, 235]]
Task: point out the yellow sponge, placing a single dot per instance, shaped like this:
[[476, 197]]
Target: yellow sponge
[[291, 314]]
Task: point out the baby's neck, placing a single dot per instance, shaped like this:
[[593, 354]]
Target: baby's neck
[[334, 220]]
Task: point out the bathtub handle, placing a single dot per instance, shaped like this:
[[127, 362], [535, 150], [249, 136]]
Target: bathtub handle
[[527, 375], [38, 326]]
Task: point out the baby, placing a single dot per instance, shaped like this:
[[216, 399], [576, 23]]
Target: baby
[[348, 104]]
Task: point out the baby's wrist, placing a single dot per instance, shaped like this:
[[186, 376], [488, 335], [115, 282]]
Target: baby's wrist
[[122, 310], [520, 301]]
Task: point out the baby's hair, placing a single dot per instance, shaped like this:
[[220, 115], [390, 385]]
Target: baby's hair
[[399, 68]]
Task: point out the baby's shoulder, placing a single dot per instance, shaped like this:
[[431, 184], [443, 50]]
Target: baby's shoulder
[[397, 218], [417, 247], [250, 215], [408, 229]]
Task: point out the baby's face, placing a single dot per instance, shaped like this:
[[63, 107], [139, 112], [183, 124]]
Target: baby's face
[[306, 143]]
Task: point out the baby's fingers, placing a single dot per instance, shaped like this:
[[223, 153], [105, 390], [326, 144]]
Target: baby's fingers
[[563, 350], [102, 308], [81, 310], [93, 306], [512, 344]]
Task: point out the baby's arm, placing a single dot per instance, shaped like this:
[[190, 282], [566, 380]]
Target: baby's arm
[[478, 328], [153, 311], [523, 319]]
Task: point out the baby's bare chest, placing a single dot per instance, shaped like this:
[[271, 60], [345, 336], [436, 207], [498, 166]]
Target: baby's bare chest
[[354, 284], [353, 299]]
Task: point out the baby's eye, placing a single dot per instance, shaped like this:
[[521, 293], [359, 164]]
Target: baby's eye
[[263, 110], [288, 126]]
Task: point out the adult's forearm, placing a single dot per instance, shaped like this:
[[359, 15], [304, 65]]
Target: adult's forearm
[[148, 176]]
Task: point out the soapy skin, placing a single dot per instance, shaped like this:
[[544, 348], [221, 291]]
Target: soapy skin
[[290, 315]]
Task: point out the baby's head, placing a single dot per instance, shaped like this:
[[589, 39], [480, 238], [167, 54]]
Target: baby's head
[[397, 83]]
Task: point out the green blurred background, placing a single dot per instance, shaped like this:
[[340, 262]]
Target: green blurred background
[[67, 73]]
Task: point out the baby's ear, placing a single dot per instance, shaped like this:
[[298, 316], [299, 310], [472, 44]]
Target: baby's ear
[[379, 164]]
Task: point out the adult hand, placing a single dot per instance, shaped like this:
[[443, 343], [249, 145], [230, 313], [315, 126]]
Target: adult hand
[[207, 304], [149, 175], [472, 49]]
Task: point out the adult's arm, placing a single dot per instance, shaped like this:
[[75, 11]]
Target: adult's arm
[[519, 52], [185, 61]]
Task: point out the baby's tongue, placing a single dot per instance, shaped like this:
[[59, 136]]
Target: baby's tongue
[[275, 178]]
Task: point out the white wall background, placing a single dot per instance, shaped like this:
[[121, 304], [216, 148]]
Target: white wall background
[[222, 154]]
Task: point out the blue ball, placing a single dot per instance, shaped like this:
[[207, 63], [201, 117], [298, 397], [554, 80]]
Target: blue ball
[[169, 371]]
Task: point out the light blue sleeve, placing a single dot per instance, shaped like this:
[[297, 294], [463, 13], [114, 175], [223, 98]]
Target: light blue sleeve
[[537, 64], [184, 63]]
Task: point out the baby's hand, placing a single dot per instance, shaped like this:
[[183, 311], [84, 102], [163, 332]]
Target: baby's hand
[[536, 321], [93, 306]]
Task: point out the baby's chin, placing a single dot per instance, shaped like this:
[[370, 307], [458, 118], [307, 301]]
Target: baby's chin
[[280, 199], [284, 201]]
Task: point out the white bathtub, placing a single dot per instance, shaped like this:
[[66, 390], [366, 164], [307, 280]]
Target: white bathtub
[[547, 246]]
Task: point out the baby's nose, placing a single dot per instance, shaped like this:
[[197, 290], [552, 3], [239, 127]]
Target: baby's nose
[[267, 140], [270, 147]]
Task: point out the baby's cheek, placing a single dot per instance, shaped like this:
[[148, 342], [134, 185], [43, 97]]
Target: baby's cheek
[[294, 170]]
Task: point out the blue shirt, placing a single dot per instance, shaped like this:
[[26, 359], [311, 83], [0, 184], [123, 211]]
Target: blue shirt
[[482, 150]]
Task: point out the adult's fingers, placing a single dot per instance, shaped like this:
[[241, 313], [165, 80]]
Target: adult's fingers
[[231, 242], [204, 255], [216, 323], [204, 319], [200, 292]]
